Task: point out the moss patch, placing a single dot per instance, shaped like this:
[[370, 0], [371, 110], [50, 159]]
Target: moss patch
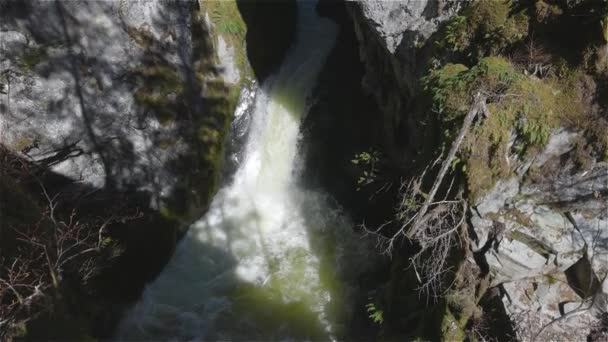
[[520, 105], [198, 106], [486, 27], [229, 24], [32, 57]]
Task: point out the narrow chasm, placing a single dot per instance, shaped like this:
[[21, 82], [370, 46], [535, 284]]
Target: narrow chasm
[[299, 170], [273, 258]]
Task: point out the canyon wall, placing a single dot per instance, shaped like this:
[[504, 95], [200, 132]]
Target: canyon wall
[[539, 226]]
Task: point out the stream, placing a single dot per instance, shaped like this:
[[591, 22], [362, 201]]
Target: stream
[[271, 260]]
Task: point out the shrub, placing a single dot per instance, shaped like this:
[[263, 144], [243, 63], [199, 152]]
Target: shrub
[[520, 105], [486, 27]]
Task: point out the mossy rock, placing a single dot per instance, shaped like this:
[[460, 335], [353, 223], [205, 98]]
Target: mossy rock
[[229, 24], [32, 57], [520, 105], [451, 328], [485, 28]]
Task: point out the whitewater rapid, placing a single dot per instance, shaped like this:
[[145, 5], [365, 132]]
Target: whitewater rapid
[[270, 260]]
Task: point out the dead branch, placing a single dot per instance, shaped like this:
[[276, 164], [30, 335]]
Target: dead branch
[[56, 246], [432, 222], [479, 106]]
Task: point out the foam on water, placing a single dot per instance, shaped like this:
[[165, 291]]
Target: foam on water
[[264, 262]]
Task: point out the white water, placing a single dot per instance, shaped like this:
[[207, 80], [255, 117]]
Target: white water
[[267, 260]]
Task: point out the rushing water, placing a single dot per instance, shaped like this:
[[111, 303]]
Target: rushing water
[[270, 260]]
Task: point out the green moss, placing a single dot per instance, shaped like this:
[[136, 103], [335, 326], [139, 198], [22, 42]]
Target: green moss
[[229, 24], [33, 57], [22, 142], [165, 93], [485, 27], [163, 77], [141, 35], [451, 329], [461, 304], [161, 89], [525, 106], [550, 279], [170, 214]]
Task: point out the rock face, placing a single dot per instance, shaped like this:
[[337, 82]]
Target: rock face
[[546, 245], [127, 105], [107, 93], [393, 36], [543, 230], [404, 24], [534, 229]]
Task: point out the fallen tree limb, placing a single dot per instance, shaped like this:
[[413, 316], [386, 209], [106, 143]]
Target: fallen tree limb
[[479, 106], [429, 220]]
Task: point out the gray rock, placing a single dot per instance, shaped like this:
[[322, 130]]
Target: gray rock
[[225, 54], [12, 42], [79, 92], [592, 234], [527, 230], [393, 38], [408, 22], [559, 143], [550, 226], [536, 241], [497, 199], [535, 302]]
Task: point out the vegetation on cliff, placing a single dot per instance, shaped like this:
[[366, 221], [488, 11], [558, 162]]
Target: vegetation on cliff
[[122, 253], [532, 68], [509, 52]]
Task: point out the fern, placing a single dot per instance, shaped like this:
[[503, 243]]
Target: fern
[[375, 314]]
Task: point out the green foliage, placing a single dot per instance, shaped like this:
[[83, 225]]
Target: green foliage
[[33, 57], [534, 132], [522, 105], [451, 329], [546, 11], [228, 26], [161, 86], [369, 162], [229, 23], [455, 37], [485, 27], [452, 87], [376, 314], [226, 17]]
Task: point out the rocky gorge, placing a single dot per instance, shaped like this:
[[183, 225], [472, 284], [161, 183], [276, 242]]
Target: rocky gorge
[[539, 229], [470, 134]]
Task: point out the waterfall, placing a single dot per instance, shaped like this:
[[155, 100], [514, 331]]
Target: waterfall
[[269, 259]]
